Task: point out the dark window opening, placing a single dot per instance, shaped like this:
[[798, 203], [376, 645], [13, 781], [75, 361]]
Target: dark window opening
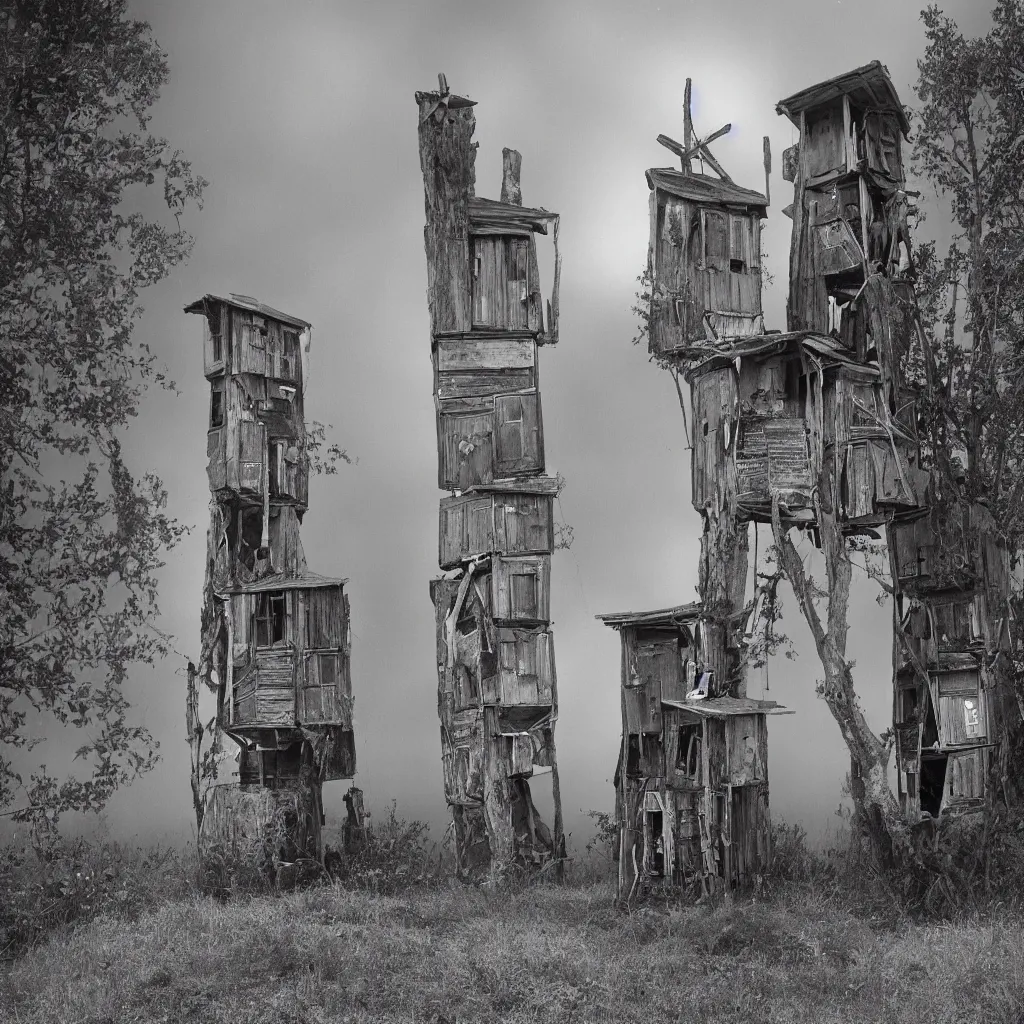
[[656, 838], [218, 347], [737, 266], [217, 404], [251, 537], [930, 733], [688, 755], [290, 359], [270, 618], [908, 704], [276, 453], [467, 692], [933, 782], [633, 756], [705, 428]]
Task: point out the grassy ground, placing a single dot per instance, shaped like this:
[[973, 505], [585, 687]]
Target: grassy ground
[[448, 953]]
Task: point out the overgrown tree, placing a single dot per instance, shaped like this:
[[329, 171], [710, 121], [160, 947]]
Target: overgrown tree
[[81, 537], [967, 146]]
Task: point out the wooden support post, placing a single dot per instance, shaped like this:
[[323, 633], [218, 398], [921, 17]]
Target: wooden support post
[[447, 159], [687, 129]]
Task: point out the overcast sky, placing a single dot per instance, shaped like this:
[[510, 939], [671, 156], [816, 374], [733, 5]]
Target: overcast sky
[[302, 117]]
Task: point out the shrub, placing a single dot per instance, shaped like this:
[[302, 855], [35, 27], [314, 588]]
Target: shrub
[[51, 882], [388, 857]]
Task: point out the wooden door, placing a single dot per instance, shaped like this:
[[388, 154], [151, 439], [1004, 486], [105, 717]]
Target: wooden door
[[501, 282], [519, 445], [523, 523], [465, 443]]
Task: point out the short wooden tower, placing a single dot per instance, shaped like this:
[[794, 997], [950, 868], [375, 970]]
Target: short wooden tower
[[276, 639], [691, 785]]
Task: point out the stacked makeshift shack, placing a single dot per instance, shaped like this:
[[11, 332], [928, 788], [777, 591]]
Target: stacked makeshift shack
[[276, 638], [497, 698], [691, 785], [820, 417], [852, 275]]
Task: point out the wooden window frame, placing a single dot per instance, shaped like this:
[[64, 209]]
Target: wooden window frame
[[271, 611]]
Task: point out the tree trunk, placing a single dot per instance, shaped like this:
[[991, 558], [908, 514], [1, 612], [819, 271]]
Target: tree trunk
[[722, 580], [876, 808]]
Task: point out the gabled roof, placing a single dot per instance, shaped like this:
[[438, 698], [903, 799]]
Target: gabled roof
[[703, 188], [868, 86], [679, 615], [247, 302], [726, 707], [306, 580]]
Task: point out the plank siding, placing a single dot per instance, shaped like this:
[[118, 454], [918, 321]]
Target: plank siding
[[501, 282]]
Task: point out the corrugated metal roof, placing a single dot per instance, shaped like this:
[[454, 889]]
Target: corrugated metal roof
[[703, 188], [681, 613], [296, 581], [725, 707], [247, 302], [870, 86]]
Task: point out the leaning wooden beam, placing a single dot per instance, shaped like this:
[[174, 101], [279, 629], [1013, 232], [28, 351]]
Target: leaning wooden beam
[[497, 700]]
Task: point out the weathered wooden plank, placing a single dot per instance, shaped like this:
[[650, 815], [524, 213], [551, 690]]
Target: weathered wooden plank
[[492, 354]]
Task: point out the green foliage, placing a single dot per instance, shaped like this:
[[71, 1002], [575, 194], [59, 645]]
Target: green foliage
[[78, 558]]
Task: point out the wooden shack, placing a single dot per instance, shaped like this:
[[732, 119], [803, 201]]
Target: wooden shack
[[497, 692], [951, 631], [276, 636], [780, 413], [705, 260], [692, 778], [252, 357], [851, 207]]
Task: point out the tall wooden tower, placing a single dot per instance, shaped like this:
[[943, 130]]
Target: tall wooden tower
[[497, 698], [851, 272], [816, 428], [275, 635]]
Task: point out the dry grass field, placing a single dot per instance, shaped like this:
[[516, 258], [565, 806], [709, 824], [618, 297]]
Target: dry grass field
[[450, 953]]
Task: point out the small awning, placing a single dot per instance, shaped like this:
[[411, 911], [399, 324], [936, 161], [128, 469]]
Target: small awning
[[726, 707]]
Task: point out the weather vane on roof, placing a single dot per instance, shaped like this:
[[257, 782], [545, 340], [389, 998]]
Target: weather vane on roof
[[692, 145], [700, 148]]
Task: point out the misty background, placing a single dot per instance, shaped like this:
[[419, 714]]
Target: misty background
[[301, 115]]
